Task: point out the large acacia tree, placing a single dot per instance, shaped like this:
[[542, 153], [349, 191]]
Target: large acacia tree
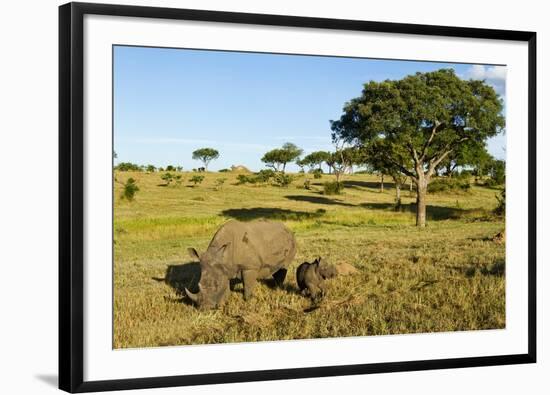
[[206, 155], [418, 121]]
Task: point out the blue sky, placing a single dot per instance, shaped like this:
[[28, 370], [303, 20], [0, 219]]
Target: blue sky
[[169, 102]]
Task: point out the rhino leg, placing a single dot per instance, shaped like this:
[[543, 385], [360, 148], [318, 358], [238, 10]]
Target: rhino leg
[[279, 277], [249, 282]]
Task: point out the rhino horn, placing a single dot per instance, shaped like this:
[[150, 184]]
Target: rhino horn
[[192, 296]]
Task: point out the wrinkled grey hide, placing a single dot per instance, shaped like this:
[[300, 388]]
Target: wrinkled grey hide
[[245, 251], [311, 277]]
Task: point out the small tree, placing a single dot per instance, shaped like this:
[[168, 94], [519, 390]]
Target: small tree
[[196, 179], [150, 168], [315, 159], [170, 168], [278, 158], [206, 155], [129, 189]]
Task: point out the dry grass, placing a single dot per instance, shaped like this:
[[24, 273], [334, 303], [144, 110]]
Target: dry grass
[[447, 277]]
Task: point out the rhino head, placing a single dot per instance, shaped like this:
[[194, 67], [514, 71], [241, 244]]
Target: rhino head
[[326, 270], [214, 282]]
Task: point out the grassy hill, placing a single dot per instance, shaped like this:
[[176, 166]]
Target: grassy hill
[[446, 277]]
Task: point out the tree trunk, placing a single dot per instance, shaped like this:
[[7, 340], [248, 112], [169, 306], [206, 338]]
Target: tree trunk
[[421, 192], [381, 182], [284, 166], [397, 194], [449, 170]]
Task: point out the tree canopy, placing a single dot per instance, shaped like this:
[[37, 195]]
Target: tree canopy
[[315, 159], [417, 122], [206, 155], [278, 158]]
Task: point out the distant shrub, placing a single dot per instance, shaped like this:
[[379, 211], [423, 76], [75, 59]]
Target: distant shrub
[[224, 170], [150, 168], [333, 188], [489, 182], [307, 184], [282, 179], [167, 178], [500, 210], [129, 189], [178, 178], [265, 175], [197, 179], [497, 172], [170, 168], [449, 185], [317, 173], [245, 179], [219, 183], [127, 166]]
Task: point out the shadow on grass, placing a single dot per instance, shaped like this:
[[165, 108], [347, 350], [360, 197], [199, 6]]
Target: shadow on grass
[[496, 269], [318, 200], [434, 213], [182, 276], [248, 214], [368, 184]]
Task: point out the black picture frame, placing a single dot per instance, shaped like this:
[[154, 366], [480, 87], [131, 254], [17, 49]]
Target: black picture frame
[[71, 197]]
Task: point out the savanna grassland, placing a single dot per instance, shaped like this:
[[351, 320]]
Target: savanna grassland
[[448, 276]]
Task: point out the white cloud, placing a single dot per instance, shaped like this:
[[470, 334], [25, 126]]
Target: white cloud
[[493, 75]]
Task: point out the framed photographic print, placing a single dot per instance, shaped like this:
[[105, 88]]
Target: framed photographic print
[[249, 197]]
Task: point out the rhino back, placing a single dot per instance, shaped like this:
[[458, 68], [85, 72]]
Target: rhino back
[[256, 245]]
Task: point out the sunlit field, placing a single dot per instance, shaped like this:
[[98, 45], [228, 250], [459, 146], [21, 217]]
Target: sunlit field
[[448, 276]]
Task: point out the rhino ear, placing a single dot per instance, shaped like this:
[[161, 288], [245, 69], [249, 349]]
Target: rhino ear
[[193, 253]]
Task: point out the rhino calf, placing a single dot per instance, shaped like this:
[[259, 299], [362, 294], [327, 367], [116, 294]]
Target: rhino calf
[[246, 251], [311, 277]]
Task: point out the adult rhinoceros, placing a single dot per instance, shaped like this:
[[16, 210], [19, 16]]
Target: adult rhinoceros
[[242, 250]]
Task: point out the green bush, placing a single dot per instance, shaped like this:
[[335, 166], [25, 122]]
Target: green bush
[[317, 173], [245, 179], [129, 190], [127, 166], [167, 178], [282, 179], [449, 185], [500, 210], [265, 175], [307, 184], [197, 179], [219, 183], [333, 188], [489, 183], [224, 170]]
